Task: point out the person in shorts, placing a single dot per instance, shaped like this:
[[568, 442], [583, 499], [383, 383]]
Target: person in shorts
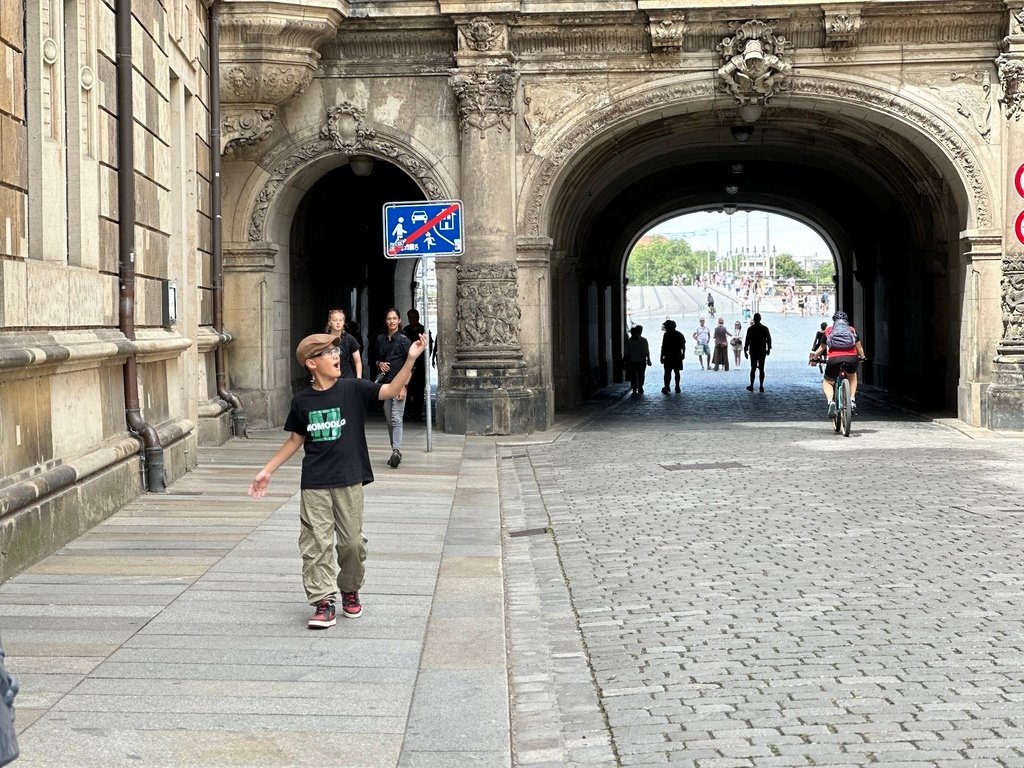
[[838, 357], [327, 420]]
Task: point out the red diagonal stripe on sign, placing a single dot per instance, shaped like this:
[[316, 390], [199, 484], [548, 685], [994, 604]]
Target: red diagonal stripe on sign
[[417, 234]]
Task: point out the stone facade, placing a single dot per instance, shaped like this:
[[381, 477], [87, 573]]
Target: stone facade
[[67, 458], [894, 128]]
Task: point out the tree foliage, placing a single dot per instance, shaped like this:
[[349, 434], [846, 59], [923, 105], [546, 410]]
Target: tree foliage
[[656, 260]]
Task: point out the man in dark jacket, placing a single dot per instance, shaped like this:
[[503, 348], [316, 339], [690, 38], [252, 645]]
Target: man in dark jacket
[[757, 345]]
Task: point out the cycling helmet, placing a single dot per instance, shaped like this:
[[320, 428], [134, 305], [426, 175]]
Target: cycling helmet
[[840, 315]]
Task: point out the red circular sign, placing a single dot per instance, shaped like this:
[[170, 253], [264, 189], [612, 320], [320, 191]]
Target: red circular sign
[[1017, 180], [1018, 226]]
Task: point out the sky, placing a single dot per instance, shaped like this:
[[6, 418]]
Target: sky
[[709, 231]]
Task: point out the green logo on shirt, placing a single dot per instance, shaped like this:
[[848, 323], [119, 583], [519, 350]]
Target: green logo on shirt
[[325, 426]]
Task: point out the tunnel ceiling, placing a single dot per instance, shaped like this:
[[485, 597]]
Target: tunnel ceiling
[[849, 179]]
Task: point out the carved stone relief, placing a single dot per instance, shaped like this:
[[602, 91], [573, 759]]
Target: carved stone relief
[[483, 35], [244, 128], [841, 28], [488, 316], [546, 101], [1012, 284], [667, 32], [266, 59], [485, 98], [345, 130], [1011, 80], [970, 91], [756, 67]]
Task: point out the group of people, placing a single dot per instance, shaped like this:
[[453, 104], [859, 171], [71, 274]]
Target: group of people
[[755, 345], [327, 420], [836, 348]]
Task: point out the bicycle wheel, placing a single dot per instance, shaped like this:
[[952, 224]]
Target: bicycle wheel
[[837, 398], [846, 412]]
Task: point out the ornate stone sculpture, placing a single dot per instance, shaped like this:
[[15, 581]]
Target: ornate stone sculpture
[[485, 98], [1012, 284], [754, 68], [1011, 76], [668, 32], [488, 308], [346, 128], [480, 34], [268, 55], [841, 29], [244, 127]]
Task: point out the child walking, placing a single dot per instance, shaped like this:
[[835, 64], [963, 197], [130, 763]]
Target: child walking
[[327, 420]]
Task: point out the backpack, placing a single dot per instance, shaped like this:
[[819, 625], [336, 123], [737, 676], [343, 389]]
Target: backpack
[[841, 336]]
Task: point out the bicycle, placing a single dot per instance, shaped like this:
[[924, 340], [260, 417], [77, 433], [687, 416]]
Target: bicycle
[[842, 417]]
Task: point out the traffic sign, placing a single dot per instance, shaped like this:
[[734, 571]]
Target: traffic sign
[[421, 228]]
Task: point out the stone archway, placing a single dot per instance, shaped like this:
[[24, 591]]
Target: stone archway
[[257, 261], [943, 145]]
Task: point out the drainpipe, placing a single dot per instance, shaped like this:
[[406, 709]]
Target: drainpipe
[[153, 452], [216, 236]]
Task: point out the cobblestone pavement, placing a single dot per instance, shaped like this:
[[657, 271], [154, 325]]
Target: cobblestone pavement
[[728, 582]]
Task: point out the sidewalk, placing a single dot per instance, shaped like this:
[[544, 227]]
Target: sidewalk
[[174, 633]]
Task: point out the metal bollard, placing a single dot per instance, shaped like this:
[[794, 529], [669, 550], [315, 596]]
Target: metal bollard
[[8, 690]]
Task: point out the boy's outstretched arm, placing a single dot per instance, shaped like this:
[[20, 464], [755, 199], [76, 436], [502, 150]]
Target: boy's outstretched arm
[[394, 387], [259, 484]]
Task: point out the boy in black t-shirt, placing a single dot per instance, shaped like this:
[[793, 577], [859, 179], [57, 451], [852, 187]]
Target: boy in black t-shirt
[[328, 421]]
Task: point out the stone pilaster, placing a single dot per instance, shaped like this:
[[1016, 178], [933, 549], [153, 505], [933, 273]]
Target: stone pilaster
[[1004, 401], [489, 389], [251, 290]]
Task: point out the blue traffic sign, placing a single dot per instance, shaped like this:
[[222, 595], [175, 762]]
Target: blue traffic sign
[[421, 228]]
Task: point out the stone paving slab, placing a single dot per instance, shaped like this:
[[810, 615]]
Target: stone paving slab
[[174, 633]]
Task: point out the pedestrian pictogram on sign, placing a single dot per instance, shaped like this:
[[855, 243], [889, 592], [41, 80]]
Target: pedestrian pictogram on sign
[[421, 228]]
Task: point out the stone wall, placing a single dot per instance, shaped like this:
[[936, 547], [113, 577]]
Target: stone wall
[[67, 458]]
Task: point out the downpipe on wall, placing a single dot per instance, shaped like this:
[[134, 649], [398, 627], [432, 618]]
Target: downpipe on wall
[[153, 452], [238, 420]]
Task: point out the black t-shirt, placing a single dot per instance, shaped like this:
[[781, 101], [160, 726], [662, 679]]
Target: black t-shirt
[[349, 346], [393, 350], [332, 422]]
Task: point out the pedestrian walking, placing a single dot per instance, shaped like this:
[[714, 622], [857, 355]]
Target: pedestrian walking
[[819, 339], [757, 345], [351, 359], [736, 342], [392, 348], [720, 355], [327, 420], [702, 339], [637, 358], [673, 350], [711, 305], [418, 383]]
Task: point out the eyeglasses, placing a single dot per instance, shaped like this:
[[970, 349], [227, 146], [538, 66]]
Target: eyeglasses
[[329, 352]]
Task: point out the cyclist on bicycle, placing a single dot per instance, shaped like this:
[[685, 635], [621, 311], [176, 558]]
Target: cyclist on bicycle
[[839, 356]]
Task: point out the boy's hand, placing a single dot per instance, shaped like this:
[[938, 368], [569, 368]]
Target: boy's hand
[[418, 347], [259, 484]]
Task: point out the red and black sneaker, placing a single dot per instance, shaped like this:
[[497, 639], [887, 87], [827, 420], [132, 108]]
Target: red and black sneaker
[[350, 605], [323, 617]]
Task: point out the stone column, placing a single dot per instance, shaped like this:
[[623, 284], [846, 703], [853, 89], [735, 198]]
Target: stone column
[[489, 392], [533, 260], [1004, 401], [980, 326]]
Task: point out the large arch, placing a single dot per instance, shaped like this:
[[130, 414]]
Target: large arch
[[831, 150]]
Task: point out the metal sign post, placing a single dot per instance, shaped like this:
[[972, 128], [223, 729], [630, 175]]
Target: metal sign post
[[426, 358], [419, 229]]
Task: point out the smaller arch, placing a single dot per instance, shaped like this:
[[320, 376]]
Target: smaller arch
[[311, 154]]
